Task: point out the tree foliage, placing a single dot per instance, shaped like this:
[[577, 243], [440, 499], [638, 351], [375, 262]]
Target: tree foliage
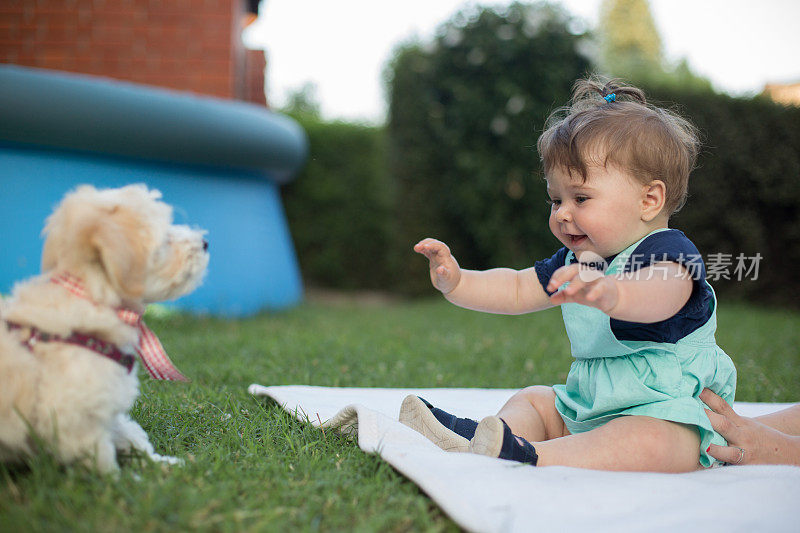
[[744, 195], [630, 45], [459, 162], [464, 116], [340, 206], [303, 102]]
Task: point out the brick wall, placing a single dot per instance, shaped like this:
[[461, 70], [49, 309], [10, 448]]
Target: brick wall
[[255, 63], [190, 45]]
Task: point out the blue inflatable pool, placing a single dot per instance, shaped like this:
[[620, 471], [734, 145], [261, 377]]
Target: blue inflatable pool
[[218, 162]]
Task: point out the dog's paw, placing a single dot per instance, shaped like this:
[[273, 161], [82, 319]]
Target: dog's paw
[[166, 459]]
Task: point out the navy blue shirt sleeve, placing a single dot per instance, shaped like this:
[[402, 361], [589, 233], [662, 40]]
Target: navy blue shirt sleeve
[[671, 246], [547, 267]]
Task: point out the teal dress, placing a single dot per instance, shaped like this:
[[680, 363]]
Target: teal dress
[[611, 378]]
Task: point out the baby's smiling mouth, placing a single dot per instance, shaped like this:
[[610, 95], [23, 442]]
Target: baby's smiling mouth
[[574, 240]]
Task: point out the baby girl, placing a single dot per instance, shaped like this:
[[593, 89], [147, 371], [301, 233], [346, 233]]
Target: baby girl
[[641, 327]]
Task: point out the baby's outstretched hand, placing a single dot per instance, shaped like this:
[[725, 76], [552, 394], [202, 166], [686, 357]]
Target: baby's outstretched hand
[[585, 287], [445, 272]]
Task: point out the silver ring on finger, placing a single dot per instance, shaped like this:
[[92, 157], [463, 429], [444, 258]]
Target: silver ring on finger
[[741, 455]]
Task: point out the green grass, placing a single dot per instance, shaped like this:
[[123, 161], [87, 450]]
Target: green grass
[[251, 466]]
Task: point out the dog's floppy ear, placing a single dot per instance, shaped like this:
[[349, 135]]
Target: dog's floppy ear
[[61, 228], [122, 249], [49, 253]]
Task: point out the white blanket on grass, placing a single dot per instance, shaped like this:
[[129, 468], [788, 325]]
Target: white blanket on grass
[[485, 494]]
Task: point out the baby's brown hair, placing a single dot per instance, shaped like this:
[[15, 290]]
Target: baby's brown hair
[[608, 122]]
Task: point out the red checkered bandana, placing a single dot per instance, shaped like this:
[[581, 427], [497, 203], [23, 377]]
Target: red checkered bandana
[[150, 351]]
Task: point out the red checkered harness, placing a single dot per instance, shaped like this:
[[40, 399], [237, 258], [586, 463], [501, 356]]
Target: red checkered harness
[[150, 351], [33, 336]]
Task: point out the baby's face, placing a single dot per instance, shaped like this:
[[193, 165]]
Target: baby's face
[[602, 215]]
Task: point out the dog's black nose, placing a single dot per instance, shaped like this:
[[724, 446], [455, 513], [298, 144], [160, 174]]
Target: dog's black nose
[[205, 245]]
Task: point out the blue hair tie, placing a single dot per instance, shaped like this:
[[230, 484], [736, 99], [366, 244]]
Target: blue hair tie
[[610, 98]]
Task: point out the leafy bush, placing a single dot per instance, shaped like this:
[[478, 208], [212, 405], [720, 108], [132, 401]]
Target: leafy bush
[[460, 163], [339, 207], [464, 117], [744, 197]]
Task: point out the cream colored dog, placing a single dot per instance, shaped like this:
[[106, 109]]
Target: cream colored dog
[[67, 348]]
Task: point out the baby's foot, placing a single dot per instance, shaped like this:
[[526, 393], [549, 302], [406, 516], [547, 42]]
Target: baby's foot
[[447, 431], [494, 438]]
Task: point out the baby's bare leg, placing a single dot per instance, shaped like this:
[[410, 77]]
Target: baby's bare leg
[[531, 414], [632, 443]]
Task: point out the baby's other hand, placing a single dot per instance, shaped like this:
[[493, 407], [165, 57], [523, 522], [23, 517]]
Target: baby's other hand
[[444, 269], [600, 291]]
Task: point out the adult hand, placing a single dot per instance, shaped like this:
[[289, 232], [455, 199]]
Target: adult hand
[[444, 269], [749, 441]]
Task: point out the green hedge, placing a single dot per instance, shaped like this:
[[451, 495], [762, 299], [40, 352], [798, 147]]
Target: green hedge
[[744, 197], [480, 188], [460, 163], [464, 117], [340, 207]]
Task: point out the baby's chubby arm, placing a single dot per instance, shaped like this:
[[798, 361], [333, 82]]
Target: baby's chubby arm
[[499, 290], [650, 294]]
